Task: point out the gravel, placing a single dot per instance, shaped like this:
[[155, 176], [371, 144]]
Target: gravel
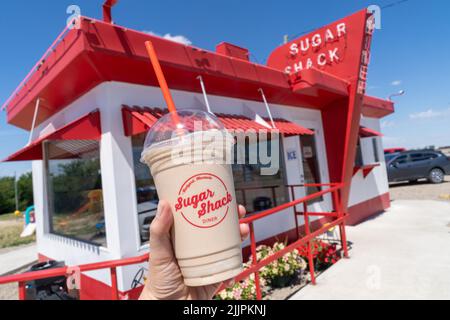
[[10, 291], [421, 190]]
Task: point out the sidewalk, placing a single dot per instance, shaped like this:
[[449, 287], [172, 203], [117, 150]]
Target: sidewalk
[[402, 254], [13, 259]]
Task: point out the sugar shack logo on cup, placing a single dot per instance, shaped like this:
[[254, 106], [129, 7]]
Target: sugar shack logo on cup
[[203, 200]]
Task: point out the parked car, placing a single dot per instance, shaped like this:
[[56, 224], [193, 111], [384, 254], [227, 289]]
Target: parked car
[[414, 165]]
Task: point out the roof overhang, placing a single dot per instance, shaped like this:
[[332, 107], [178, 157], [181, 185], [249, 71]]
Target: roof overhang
[[100, 52]]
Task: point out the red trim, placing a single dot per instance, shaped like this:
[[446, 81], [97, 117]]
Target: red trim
[[394, 150], [376, 107], [100, 52], [231, 50], [367, 209], [366, 169], [85, 128], [97, 290], [365, 132], [107, 6]]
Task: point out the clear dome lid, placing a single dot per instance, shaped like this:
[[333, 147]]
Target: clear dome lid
[[185, 122]]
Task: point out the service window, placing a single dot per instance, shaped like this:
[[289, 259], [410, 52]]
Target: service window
[[311, 169], [74, 190], [376, 155], [359, 162], [255, 191]]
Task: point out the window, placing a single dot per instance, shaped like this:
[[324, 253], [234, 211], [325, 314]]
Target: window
[[401, 160], [376, 156], [146, 195], [311, 170], [359, 157], [74, 188], [255, 191], [417, 157]]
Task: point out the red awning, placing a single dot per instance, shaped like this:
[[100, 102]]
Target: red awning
[[85, 128], [138, 120], [368, 133], [290, 128]]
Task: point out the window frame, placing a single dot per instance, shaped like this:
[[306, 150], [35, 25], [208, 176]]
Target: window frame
[[49, 203]]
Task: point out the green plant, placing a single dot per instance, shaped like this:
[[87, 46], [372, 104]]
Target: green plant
[[323, 253], [282, 271], [243, 290]]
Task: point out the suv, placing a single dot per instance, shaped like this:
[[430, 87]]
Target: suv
[[413, 165]]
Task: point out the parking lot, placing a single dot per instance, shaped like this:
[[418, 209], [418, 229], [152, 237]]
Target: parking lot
[[421, 190]]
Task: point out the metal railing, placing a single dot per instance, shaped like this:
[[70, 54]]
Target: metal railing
[[21, 279], [337, 214]]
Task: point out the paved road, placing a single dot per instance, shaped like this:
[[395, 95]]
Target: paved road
[[402, 254], [12, 259], [421, 190]]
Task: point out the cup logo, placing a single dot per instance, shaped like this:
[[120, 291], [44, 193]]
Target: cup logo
[[203, 200]]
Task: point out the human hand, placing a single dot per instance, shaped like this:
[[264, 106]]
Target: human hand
[[165, 281]]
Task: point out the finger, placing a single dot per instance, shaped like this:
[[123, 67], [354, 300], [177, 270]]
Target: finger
[[160, 243], [242, 211], [245, 231]]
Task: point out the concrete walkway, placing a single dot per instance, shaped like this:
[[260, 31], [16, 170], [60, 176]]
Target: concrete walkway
[[401, 254], [13, 259]]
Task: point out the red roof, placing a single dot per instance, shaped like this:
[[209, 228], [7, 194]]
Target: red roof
[[100, 52]]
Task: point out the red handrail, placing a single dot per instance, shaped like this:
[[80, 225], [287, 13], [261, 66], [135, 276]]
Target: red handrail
[[340, 216], [64, 271]]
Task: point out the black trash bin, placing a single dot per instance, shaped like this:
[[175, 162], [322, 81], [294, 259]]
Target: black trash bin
[[54, 288]]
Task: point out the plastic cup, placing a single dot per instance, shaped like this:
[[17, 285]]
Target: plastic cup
[[190, 164]]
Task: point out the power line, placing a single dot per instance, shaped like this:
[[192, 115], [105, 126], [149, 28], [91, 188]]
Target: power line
[[387, 6]]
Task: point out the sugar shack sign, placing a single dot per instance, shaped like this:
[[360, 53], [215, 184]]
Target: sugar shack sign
[[341, 48], [302, 51]]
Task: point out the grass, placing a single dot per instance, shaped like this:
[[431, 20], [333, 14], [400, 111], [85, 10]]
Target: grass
[[10, 231], [7, 217]]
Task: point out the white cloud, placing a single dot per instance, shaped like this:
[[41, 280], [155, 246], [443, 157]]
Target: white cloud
[[387, 124], [396, 83], [430, 113], [175, 38]]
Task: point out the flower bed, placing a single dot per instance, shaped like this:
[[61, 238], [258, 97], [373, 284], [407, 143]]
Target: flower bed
[[286, 272]]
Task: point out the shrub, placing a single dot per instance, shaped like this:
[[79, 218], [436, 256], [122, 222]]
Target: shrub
[[279, 273], [282, 271], [243, 290], [324, 254]]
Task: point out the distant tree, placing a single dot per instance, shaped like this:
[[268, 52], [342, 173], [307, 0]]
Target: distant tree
[[7, 198], [25, 190]]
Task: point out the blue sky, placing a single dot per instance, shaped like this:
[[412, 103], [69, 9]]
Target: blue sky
[[410, 52]]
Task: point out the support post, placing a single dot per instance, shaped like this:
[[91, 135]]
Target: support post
[[340, 213], [308, 244], [114, 288], [22, 291], [254, 262]]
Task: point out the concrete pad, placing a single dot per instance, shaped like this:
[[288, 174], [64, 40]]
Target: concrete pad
[[13, 259], [401, 254]]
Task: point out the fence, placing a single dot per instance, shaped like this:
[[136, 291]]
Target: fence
[[339, 220]]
